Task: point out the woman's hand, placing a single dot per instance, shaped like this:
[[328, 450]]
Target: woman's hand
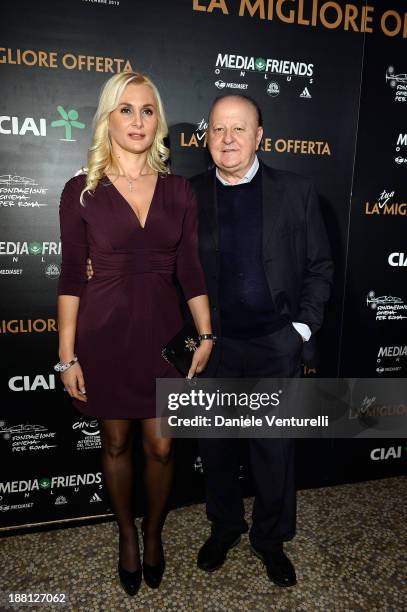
[[200, 358], [74, 382]]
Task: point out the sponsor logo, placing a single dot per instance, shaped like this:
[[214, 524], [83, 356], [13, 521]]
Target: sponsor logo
[[384, 205], [6, 508], [369, 408], [68, 61], [387, 307], [21, 192], [222, 85], [27, 383], [397, 259], [95, 498], [398, 83], [30, 248], [269, 66], [382, 454], [90, 430], [23, 438], [60, 500], [251, 67], [52, 271], [305, 93], [273, 89], [401, 146], [68, 120], [27, 326], [389, 358], [197, 138], [56, 482]]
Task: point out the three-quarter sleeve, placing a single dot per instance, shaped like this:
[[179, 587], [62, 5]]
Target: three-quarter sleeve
[[74, 242], [188, 266]]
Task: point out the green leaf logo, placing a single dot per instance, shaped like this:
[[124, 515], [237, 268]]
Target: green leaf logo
[[35, 248], [68, 121], [260, 63], [45, 483]]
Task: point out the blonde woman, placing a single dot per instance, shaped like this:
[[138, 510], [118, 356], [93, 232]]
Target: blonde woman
[[138, 224]]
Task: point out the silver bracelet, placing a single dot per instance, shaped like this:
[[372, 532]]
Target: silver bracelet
[[61, 367]]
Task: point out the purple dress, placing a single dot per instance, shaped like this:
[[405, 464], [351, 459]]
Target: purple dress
[[130, 309]]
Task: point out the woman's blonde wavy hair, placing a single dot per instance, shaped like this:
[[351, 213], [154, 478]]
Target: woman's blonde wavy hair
[[100, 154]]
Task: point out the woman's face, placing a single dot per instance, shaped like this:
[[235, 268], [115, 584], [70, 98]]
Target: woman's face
[[133, 124]]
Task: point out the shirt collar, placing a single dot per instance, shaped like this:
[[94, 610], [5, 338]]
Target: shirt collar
[[246, 178]]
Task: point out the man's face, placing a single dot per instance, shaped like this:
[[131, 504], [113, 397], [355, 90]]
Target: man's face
[[233, 135]]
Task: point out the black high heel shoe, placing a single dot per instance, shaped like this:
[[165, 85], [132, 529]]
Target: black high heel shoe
[[130, 581], [153, 573]]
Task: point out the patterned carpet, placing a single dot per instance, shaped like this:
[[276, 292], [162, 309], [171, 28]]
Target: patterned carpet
[[349, 553]]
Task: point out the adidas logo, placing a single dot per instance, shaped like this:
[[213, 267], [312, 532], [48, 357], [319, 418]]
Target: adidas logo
[[305, 93], [95, 498]]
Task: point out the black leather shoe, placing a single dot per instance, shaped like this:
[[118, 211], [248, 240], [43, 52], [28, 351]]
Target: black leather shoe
[[153, 574], [213, 553], [279, 568], [130, 581]]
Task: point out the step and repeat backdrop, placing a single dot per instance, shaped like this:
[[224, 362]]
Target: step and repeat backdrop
[[331, 79]]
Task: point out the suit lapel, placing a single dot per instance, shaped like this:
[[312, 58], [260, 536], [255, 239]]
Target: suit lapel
[[273, 201]]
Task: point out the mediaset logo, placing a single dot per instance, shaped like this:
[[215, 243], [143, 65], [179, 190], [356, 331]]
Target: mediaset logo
[[55, 482], [384, 205], [223, 85], [27, 326], [27, 437], [21, 192], [387, 307], [398, 82], [32, 383], [385, 453], [397, 260], [67, 122], [69, 61], [7, 507], [401, 149]]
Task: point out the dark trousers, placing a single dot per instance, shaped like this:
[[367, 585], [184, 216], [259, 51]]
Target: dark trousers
[[271, 459]]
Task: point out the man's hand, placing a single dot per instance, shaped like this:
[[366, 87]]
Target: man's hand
[[89, 269]]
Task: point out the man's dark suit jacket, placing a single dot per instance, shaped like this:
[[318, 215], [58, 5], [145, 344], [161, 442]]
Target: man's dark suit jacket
[[296, 252]]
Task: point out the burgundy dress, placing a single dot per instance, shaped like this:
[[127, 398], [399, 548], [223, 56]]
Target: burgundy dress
[[130, 309]]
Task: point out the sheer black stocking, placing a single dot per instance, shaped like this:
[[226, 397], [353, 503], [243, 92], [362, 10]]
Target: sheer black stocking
[[117, 437]]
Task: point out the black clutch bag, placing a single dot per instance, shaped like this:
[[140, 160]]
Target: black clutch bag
[[180, 349]]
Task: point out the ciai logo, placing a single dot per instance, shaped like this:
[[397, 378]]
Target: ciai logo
[[69, 120], [381, 454], [21, 127], [27, 383], [397, 259]]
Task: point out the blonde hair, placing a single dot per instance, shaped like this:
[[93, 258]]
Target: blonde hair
[[100, 153]]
